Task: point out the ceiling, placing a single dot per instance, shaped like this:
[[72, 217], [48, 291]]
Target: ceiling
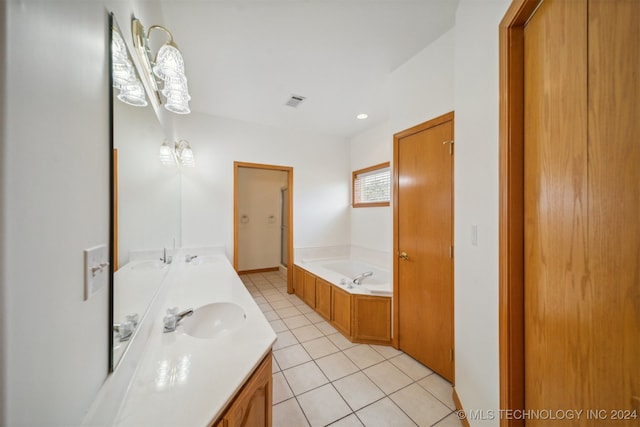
[[244, 59]]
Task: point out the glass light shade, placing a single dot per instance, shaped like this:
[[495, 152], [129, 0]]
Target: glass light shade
[[169, 62], [133, 94], [177, 106], [186, 155], [123, 74], [166, 154], [176, 84]]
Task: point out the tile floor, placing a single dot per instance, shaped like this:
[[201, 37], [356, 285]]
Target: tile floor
[[320, 378]]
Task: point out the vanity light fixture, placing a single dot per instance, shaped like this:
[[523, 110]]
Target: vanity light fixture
[[166, 68], [179, 154], [124, 74]]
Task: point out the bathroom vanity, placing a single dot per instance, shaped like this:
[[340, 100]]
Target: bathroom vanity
[[214, 369], [357, 313]]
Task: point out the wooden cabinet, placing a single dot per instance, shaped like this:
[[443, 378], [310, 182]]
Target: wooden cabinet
[[298, 281], [323, 298], [371, 319], [309, 294], [341, 310], [252, 405], [360, 318]]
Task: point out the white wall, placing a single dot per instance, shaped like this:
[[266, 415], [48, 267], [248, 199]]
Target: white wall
[[421, 89], [56, 183], [320, 187], [260, 217], [55, 204], [476, 202]]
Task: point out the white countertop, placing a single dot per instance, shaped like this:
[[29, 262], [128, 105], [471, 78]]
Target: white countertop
[[187, 381]]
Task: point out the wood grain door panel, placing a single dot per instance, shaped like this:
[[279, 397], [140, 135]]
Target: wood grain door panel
[[425, 234]]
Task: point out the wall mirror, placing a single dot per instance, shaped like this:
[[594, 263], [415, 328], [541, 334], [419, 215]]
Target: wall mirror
[[146, 194]]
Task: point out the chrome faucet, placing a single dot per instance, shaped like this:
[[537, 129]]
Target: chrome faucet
[[173, 318], [358, 279], [189, 258], [165, 259]]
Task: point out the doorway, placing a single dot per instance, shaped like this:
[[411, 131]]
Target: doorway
[[569, 209], [423, 244], [263, 238]]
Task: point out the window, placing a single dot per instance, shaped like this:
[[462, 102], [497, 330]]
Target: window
[[372, 186]]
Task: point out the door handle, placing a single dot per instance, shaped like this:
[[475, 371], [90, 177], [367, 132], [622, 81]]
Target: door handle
[[403, 255]]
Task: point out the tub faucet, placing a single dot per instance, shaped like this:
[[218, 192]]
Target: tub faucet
[[165, 259], [173, 318], [190, 258], [358, 279]]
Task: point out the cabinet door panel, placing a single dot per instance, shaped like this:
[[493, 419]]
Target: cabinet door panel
[[309, 295], [323, 298], [341, 310]]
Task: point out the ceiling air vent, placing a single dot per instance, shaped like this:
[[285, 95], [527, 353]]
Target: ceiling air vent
[[295, 100]]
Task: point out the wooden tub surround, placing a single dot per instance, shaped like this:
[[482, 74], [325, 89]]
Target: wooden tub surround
[[360, 318]]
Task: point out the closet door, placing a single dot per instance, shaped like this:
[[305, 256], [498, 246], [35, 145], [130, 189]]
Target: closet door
[[582, 211]]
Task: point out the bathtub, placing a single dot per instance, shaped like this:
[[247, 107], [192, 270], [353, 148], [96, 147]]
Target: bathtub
[[341, 272]]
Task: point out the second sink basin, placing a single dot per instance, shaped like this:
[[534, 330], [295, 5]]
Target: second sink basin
[[213, 320]]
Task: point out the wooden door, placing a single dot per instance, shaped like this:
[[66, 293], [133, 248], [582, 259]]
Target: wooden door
[[581, 211], [423, 222]]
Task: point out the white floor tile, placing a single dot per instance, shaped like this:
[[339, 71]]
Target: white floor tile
[[450, 421], [336, 366], [271, 315], [296, 321], [384, 413], [307, 333], [320, 347], [387, 377], [350, 421], [303, 307], [314, 317], [440, 388], [278, 326], [288, 312], [386, 351], [281, 390], [326, 328], [281, 304], [260, 300], [340, 341], [265, 307], [323, 405], [358, 390], [285, 339], [305, 377], [288, 414], [274, 365], [424, 409], [411, 367], [291, 356], [363, 356]]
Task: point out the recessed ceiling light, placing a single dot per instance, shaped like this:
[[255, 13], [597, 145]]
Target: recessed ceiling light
[[362, 116]]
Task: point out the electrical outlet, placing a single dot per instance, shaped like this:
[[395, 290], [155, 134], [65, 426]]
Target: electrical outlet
[[96, 269]]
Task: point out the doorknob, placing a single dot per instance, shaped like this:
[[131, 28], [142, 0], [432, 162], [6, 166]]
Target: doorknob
[[403, 255]]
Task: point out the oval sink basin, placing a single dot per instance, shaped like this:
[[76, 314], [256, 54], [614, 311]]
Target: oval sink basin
[[149, 265], [213, 320]]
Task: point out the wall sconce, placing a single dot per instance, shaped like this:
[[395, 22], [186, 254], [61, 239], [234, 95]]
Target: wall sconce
[[167, 68], [123, 73], [179, 154]]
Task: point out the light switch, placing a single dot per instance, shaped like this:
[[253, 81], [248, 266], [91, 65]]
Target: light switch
[[96, 269], [474, 235]]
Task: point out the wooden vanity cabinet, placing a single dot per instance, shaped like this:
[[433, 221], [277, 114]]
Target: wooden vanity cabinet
[[372, 319], [309, 294], [341, 311], [252, 405], [298, 281], [323, 298]]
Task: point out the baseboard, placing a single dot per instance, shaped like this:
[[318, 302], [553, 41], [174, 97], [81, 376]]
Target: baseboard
[[460, 409], [259, 270]]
